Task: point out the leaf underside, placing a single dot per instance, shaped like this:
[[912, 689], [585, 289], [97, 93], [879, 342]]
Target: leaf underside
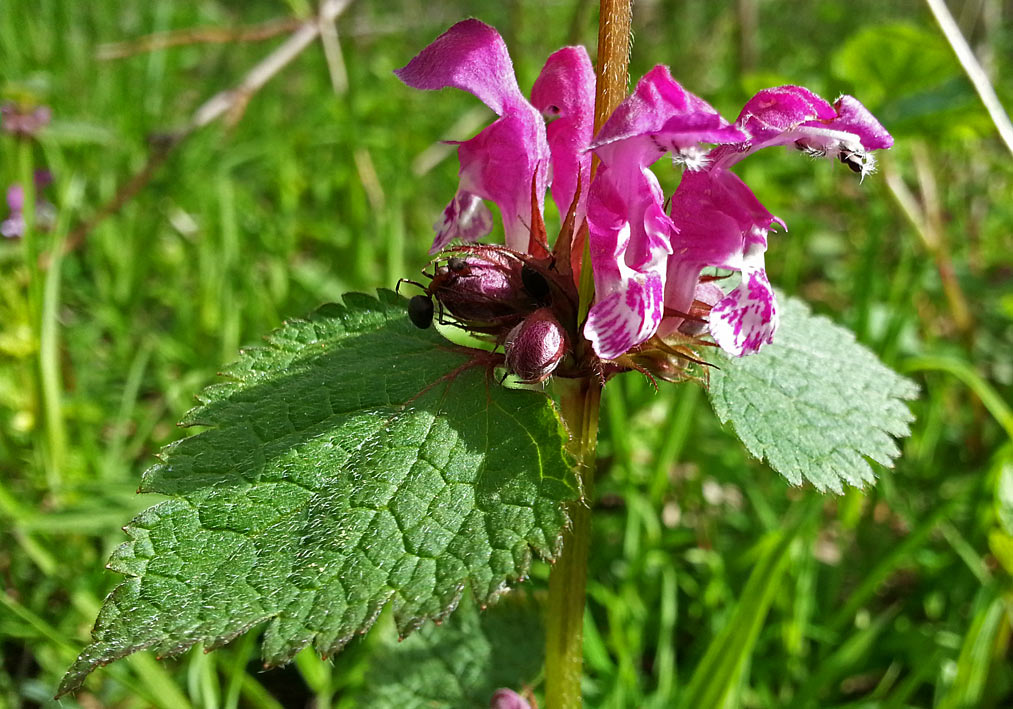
[[815, 404], [353, 461]]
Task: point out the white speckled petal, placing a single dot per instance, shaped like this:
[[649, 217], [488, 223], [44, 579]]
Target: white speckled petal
[[746, 318]]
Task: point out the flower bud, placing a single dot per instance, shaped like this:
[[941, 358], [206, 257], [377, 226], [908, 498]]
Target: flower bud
[[484, 287], [535, 347], [508, 699]]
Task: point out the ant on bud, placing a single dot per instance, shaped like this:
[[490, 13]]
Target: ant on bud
[[421, 311], [420, 307], [487, 289], [511, 299]]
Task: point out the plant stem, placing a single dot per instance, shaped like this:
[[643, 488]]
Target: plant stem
[[579, 401], [564, 653], [613, 72], [613, 67]]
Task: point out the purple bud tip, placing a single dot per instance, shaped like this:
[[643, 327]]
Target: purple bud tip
[[535, 347], [508, 699]]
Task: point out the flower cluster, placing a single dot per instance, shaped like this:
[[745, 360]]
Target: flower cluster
[[45, 213], [647, 258], [23, 122]]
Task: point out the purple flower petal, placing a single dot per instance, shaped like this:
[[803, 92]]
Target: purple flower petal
[[774, 111], [855, 118], [707, 293], [627, 316], [720, 223], [630, 239], [718, 219], [682, 279], [500, 163], [794, 116], [661, 116], [564, 94], [13, 226], [746, 318], [466, 218], [470, 56], [42, 179], [16, 198], [20, 122]]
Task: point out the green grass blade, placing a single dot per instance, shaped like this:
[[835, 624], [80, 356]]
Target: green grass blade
[[976, 654], [843, 660], [721, 670]]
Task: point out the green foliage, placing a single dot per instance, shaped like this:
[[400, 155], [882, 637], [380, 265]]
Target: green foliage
[[724, 666], [984, 643], [815, 403], [354, 461], [910, 78], [462, 662], [245, 226], [900, 58]]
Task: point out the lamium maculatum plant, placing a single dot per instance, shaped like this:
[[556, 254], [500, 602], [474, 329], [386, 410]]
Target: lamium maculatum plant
[[360, 460]]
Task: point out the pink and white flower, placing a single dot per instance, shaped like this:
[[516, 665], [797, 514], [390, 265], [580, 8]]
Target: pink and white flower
[[647, 258], [502, 162]]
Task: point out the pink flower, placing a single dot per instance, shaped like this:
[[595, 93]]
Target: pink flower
[[721, 223], [631, 236], [647, 259], [511, 158], [23, 122], [647, 264], [14, 225]]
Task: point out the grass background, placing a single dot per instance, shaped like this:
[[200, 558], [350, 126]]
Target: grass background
[[896, 596]]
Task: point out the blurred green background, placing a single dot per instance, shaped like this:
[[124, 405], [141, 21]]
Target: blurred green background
[[329, 181]]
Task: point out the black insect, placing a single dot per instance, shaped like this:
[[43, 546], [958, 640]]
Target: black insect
[[854, 160], [420, 311], [456, 265], [536, 285], [486, 290]]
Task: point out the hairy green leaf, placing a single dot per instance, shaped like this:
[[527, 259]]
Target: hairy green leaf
[[462, 663], [354, 461], [815, 403]]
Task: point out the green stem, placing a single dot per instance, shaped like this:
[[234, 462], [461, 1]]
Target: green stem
[[42, 297], [49, 372], [29, 239], [43, 304], [579, 402]]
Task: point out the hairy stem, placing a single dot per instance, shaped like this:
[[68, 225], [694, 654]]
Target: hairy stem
[[612, 70], [613, 66], [579, 401], [564, 653]]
